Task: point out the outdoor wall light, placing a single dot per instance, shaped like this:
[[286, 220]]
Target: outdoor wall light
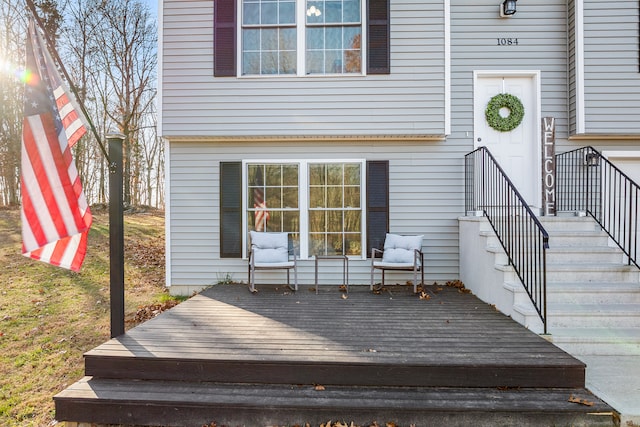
[[508, 8]]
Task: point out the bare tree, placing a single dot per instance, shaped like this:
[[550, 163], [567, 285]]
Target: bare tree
[[109, 48], [13, 29], [126, 48]]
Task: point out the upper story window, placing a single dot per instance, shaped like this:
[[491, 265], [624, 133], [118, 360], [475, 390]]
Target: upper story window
[[301, 37], [328, 40]]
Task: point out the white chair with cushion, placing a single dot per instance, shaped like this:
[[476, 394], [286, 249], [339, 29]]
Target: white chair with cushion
[[399, 253], [270, 251]]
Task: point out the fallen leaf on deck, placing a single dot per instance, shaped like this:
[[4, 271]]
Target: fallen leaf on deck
[[425, 296], [575, 399], [319, 387]]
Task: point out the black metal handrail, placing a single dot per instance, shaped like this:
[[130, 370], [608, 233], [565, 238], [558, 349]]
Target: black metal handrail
[[525, 241], [588, 182]]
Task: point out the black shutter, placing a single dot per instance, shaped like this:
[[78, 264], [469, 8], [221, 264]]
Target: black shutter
[[230, 210], [377, 204], [378, 34], [224, 38]]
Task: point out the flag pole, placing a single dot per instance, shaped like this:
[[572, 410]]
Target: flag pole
[[54, 52], [116, 209]]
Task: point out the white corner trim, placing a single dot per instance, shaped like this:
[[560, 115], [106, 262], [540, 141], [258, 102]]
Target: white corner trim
[[167, 212], [447, 67], [579, 66]]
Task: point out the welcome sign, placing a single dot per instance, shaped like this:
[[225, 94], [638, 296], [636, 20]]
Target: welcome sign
[[549, 165]]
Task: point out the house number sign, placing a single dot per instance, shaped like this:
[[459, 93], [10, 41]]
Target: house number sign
[[502, 41], [549, 165]]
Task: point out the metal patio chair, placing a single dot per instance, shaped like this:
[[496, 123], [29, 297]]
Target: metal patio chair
[[270, 251], [399, 253]]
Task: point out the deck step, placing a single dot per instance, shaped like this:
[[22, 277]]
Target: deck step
[[441, 373], [185, 404], [598, 341]]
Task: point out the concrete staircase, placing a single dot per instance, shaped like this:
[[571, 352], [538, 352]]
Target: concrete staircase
[[593, 301], [593, 294]]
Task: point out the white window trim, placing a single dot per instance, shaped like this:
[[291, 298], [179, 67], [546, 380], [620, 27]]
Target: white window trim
[[303, 201], [302, 46]]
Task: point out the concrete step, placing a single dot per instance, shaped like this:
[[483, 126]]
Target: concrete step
[[591, 272], [597, 341], [176, 403], [567, 315], [565, 223], [578, 238], [582, 254], [593, 292]]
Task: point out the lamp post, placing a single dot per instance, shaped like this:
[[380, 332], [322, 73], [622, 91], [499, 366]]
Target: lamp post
[[116, 234]]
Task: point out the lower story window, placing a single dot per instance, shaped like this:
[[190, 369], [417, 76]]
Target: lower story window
[[320, 203]]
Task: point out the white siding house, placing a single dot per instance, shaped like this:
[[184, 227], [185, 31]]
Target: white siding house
[[378, 100]]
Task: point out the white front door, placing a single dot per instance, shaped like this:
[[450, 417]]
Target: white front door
[[516, 151]]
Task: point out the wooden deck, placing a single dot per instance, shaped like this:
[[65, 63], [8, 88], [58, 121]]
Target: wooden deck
[[229, 356]]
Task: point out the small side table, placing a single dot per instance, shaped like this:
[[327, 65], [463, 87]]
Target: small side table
[[345, 268]]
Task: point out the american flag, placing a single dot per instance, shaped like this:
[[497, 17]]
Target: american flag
[[261, 214], [55, 214]]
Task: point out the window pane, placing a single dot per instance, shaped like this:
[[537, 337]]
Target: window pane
[[317, 221], [333, 61], [251, 13], [333, 38], [317, 244], [316, 174], [334, 244], [290, 175], [287, 12], [334, 174], [250, 40], [315, 62], [353, 244], [352, 38], [290, 197], [287, 39], [251, 63], [334, 221], [352, 61], [315, 12], [275, 222], [315, 38], [333, 11], [291, 221], [351, 11], [269, 13], [352, 197], [273, 196], [269, 39], [255, 174], [352, 220], [334, 197], [316, 197], [269, 62], [273, 175], [352, 174]]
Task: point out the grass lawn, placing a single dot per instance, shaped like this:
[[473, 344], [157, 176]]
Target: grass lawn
[[50, 316]]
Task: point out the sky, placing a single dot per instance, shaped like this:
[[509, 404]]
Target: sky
[[153, 4]]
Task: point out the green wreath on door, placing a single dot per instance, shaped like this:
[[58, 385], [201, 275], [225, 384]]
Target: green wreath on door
[[510, 102]]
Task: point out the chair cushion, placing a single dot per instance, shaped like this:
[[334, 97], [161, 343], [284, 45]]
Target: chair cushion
[[400, 249], [270, 248]]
